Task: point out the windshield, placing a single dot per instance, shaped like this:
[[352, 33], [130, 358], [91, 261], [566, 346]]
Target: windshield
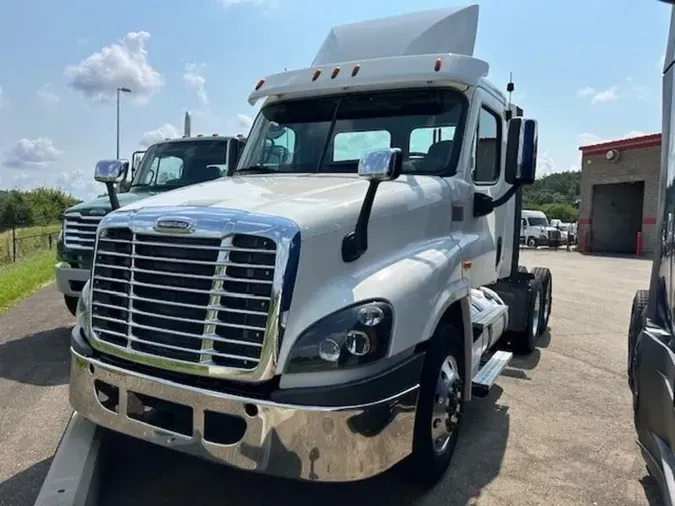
[[171, 165], [538, 222], [328, 135]]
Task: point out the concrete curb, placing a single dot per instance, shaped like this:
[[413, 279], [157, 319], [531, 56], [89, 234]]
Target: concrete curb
[[72, 479]]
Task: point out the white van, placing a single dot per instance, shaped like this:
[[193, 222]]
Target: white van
[[535, 230]]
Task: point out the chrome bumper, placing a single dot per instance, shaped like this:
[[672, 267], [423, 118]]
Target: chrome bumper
[[64, 273], [303, 442]]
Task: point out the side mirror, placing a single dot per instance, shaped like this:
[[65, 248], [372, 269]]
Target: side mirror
[[381, 164], [521, 151], [111, 171]]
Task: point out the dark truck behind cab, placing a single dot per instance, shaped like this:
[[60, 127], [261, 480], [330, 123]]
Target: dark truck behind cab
[[166, 166]]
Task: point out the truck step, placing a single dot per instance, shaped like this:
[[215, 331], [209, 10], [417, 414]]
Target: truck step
[[488, 373]]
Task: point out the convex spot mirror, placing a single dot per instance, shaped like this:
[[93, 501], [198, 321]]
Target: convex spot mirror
[[111, 171], [521, 151], [381, 164]]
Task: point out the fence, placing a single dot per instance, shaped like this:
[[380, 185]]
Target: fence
[[17, 243]]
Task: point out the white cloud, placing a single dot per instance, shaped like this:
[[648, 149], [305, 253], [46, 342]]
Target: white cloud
[[586, 92], [587, 139], [117, 65], [79, 183], [546, 165], [47, 96], [244, 122], [159, 134], [3, 99], [605, 96], [194, 79], [32, 154], [599, 96]]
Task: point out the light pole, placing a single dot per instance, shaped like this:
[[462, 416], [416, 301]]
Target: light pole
[[119, 90]]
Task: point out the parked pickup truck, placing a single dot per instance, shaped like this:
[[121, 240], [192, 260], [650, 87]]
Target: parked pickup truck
[[165, 166]]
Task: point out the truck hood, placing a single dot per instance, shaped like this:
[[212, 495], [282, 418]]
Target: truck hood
[[104, 202], [317, 203]]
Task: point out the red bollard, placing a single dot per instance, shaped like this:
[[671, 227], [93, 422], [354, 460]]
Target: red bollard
[[638, 244]]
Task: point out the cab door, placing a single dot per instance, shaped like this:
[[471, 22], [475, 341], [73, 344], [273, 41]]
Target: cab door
[[493, 240]]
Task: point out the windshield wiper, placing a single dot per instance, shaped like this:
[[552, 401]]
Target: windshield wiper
[[260, 169]]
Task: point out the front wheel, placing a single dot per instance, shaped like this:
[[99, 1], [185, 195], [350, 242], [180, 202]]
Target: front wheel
[[439, 408], [531, 242], [71, 304]]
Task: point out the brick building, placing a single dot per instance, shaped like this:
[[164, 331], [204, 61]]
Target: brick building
[[619, 193]]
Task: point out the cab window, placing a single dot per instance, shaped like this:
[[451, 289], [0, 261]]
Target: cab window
[[487, 148]]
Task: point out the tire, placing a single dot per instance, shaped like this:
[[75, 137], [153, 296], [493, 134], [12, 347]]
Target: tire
[[71, 304], [525, 342], [531, 242], [543, 274], [640, 300], [429, 460]]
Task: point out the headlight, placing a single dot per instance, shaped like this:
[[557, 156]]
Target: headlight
[[351, 337], [83, 308]]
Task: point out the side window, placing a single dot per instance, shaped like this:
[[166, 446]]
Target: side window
[[162, 170], [488, 148], [279, 148], [169, 168], [348, 146], [421, 139]]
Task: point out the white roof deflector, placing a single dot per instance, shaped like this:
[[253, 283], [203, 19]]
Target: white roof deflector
[[420, 33]]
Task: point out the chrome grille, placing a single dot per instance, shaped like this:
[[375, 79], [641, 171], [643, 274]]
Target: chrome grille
[[184, 299], [79, 232]]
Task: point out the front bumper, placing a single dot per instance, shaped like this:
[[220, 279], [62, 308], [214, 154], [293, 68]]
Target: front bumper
[[69, 280], [322, 443]]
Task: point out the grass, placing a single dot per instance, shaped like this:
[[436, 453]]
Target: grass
[[29, 240], [21, 279]]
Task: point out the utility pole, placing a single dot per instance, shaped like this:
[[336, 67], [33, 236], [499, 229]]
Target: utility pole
[[117, 145]]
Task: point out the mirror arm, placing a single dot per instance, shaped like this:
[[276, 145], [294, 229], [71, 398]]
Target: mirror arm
[[112, 195], [355, 243], [484, 204]]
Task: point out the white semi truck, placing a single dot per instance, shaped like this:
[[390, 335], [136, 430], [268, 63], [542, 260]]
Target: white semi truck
[[340, 297]]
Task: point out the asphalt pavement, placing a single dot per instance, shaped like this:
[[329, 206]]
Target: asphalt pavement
[[34, 369], [556, 430]]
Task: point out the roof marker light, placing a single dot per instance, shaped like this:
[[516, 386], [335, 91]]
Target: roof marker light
[[336, 71], [355, 70], [259, 85], [437, 65], [316, 75]]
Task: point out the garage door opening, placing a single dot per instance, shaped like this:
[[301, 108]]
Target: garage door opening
[[616, 217]]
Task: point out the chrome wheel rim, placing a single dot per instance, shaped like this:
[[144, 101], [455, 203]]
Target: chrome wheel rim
[[535, 315], [447, 405]]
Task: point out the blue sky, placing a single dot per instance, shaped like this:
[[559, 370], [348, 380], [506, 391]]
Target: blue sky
[[587, 70]]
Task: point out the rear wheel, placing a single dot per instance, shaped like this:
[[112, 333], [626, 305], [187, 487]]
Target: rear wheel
[[640, 301], [525, 341], [545, 278], [440, 407], [71, 303]]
